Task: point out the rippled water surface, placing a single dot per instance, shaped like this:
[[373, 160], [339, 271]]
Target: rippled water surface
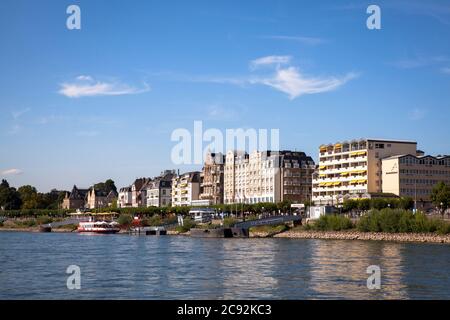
[[33, 266]]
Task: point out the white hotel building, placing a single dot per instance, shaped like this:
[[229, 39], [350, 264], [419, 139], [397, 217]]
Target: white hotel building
[[251, 178], [353, 169]]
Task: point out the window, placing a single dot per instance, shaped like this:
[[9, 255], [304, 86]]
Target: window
[[379, 145]]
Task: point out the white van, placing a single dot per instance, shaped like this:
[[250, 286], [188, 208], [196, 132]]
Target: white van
[[202, 215]]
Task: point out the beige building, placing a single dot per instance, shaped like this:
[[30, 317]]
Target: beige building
[[415, 176], [185, 189], [76, 199], [100, 199], [212, 178], [268, 176], [353, 169]]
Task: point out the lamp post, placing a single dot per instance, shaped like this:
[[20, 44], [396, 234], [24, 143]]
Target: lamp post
[[442, 209]]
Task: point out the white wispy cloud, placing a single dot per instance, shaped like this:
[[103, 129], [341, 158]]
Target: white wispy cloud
[[445, 70], [87, 133], [11, 172], [85, 78], [419, 62], [218, 112], [14, 129], [283, 77], [270, 60], [18, 113], [310, 41], [86, 86], [276, 72], [295, 84]]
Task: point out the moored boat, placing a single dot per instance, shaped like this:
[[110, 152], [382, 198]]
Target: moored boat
[[98, 227]]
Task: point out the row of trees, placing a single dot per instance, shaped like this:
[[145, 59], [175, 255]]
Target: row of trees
[[256, 208], [440, 197], [406, 203], [28, 198]]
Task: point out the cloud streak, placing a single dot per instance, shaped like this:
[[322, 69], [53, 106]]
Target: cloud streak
[[269, 61], [310, 41], [11, 172], [419, 62], [282, 76], [17, 114], [295, 84], [86, 86]]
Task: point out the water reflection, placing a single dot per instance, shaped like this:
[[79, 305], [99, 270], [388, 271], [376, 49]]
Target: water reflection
[[338, 269], [32, 266]]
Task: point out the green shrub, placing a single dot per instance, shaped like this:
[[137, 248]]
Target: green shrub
[[229, 222], [29, 223], [188, 224], [332, 223], [270, 229], [44, 220], [155, 220], [125, 219], [399, 220]]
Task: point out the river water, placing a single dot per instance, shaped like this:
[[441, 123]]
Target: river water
[[33, 266]]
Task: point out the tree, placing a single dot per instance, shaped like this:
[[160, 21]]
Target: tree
[[349, 205], [364, 204], [4, 184], [406, 203], [106, 186], [9, 197], [440, 196], [28, 195]]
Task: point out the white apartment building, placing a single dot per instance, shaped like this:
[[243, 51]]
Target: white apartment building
[[353, 169], [124, 199], [185, 189], [252, 178]]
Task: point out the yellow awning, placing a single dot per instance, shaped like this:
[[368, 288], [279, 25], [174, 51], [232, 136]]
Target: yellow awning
[[362, 153], [338, 145], [362, 181], [344, 173], [354, 153], [322, 167], [323, 148], [336, 184], [354, 182], [322, 175]]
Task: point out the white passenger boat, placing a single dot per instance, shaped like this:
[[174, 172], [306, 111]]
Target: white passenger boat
[[98, 227]]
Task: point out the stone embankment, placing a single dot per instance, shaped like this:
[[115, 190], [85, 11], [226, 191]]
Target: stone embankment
[[355, 235]]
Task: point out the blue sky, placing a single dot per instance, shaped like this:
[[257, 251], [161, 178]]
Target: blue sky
[[81, 106]]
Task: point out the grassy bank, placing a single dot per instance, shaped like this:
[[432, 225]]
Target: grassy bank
[[385, 220]]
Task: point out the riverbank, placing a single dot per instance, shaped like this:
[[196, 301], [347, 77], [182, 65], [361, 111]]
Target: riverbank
[[305, 234], [34, 229], [372, 236]]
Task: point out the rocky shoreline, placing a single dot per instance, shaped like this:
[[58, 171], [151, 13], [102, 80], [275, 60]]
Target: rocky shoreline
[[303, 234], [356, 235]]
